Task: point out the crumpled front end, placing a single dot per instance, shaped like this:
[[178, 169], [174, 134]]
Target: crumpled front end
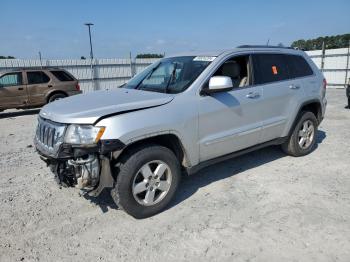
[[86, 167]]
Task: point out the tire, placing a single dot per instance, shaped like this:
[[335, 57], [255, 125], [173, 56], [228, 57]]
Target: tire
[[349, 102], [294, 146], [56, 97], [133, 169]]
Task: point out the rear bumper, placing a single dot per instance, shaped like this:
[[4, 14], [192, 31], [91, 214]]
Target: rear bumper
[[323, 109]]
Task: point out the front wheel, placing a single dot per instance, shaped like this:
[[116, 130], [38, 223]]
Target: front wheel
[[303, 138], [147, 180]]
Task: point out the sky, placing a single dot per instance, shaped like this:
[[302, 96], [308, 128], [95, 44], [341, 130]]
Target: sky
[[57, 30]]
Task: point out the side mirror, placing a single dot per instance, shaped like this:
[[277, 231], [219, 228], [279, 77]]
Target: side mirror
[[218, 84]]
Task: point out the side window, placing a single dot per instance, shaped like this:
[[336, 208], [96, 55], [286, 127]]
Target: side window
[[11, 79], [37, 77], [238, 69], [62, 76], [269, 68], [298, 67]]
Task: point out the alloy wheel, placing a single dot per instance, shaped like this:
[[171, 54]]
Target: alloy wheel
[[306, 134], [152, 183]]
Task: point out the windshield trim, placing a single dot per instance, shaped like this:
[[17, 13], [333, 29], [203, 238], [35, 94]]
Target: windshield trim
[[185, 60]]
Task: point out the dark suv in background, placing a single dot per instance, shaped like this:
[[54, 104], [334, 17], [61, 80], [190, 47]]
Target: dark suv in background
[[27, 88]]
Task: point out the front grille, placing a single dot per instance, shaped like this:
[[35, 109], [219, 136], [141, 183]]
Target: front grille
[[49, 136]]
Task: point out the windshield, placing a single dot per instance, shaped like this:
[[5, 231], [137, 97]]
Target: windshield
[[170, 75]]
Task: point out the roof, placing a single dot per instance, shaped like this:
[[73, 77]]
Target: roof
[[197, 53], [15, 69], [238, 48], [264, 46]]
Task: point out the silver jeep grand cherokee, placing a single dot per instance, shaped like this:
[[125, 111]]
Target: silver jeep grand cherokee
[[180, 114]]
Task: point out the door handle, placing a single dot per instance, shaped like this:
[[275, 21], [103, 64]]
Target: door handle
[[20, 88], [49, 86], [294, 87], [253, 95]]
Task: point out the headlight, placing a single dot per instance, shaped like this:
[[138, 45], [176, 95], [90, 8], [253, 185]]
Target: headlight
[[83, 134]]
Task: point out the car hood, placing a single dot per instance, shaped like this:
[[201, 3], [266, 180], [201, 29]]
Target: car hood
[[88, 108]]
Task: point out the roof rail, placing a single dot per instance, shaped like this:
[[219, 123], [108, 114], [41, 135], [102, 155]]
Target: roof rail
[[264, 46], [31, 68]]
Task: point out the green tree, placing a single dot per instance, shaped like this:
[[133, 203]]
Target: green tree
[[7, 57], [149, 56], [336, 41]]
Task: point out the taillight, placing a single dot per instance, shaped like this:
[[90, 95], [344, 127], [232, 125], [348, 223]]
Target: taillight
[[77, 87]]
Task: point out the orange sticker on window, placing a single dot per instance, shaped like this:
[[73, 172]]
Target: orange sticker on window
[[274, 70]]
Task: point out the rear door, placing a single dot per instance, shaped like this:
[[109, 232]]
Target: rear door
[[38, 85], [281, 93], [301, 70], [13, 92]]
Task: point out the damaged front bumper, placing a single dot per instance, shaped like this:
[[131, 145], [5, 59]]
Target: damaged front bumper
[[85, 167]]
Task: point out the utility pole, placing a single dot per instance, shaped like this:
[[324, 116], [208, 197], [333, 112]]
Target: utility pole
[[91, 54], [89, 26]]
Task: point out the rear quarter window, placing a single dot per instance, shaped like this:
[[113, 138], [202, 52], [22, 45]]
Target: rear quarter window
[[62, 76], [298, 67], [269, 68]]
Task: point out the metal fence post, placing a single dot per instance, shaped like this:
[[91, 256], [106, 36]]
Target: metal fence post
[[347, 66], [96, 75], [92, 74], [323, 56], [131, 65]]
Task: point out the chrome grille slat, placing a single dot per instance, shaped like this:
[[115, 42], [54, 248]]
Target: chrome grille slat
[[49, 135], [45, 135], [42, 133]]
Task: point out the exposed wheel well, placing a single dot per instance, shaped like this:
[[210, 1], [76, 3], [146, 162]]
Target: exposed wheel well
[[315, 108], [55, 93], [170, 141]]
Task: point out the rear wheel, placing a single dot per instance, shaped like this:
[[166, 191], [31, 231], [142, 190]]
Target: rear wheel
[[146, 181], [303, 138], [349, 102], [55, 97]]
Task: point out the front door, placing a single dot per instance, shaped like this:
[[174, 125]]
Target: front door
[[13, 92], [230, 121]]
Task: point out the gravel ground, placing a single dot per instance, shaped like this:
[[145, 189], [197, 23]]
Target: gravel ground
[[263, 206]]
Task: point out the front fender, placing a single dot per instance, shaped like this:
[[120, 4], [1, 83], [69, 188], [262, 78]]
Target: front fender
[[134, 126]]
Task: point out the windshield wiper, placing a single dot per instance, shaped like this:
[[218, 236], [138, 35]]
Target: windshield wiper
[[171, 78], [147, 76]]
